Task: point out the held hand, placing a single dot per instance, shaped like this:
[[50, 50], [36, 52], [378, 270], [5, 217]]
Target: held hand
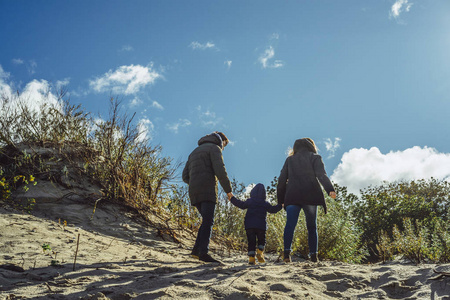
[[333, 195], [230, 195]]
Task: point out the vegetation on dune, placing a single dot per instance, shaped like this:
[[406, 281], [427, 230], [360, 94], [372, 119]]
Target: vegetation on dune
[[407, 219], [113, 153]]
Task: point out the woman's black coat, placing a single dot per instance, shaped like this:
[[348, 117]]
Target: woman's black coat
[[298, 183]]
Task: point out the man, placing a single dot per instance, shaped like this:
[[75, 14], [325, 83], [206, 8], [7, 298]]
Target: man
[[204, 166]]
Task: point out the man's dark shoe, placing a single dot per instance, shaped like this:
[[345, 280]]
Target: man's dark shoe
[[195, 253], [314, 257], [207, 258]]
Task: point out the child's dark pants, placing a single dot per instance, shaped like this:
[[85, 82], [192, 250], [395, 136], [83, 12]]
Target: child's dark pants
[[252, 235]]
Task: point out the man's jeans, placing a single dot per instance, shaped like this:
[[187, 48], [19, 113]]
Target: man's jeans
[[293, 212], [206, 210]]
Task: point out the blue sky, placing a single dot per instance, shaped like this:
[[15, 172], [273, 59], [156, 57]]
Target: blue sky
[[369, 81]]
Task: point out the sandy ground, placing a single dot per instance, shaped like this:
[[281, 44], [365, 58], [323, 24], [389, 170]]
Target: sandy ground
[[119, 258]]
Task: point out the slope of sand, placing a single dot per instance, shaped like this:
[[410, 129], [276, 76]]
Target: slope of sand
[[119, 258]]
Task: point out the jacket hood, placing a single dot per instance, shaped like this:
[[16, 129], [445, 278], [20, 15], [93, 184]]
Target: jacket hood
[[211, 138], [258, 192], [303, 145]]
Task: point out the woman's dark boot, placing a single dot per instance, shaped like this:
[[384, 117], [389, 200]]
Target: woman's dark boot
[[314, 257]]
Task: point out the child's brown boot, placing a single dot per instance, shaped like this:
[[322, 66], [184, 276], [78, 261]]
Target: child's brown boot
[[251, 260], [287, 256], [260, 256]]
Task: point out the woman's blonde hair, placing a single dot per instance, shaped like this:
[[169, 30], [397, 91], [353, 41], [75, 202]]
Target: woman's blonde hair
[[304, 143]]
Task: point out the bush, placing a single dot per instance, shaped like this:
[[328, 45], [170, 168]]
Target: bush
[[383, 207], [412, 242], [440, 241], [416, 242], [385, 247]]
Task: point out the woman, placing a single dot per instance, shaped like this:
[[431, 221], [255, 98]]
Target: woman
[[298, 188]]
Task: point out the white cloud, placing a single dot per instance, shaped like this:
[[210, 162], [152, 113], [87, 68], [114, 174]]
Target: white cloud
[[228, 63], [35, 94], [176, 126], [399, 7], [197, 45], [332, 146], [145, 128], [32, 67], [266, 59], [155, 104], [360, 168], [125, 79], [60, 84], [247, 191], [135, 102], [208, 118], [3, 74], [17, 61], [274, 36], [126, 48], [5, 89]]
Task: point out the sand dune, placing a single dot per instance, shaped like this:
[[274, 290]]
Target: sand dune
[[119, 258]]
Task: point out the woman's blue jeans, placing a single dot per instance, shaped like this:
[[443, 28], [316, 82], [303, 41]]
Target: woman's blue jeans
[[293, 212]]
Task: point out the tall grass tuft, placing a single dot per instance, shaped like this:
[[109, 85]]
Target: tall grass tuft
[[113, 153]]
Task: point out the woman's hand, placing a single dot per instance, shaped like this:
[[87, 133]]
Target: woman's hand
[[333, 195], [230, 195]]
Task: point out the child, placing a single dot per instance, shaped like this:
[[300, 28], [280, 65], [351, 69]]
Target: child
[[255, 220]]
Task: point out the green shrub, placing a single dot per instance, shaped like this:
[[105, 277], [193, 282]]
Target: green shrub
[[385, 247], [440, 241], [412, 242], [339, 239], [417, 242], [380, 208]]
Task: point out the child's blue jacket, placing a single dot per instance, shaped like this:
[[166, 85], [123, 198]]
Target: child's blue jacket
[[257, 208]]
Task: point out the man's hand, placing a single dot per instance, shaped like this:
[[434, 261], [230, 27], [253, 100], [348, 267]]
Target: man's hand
[[230, 195], [333, 195]]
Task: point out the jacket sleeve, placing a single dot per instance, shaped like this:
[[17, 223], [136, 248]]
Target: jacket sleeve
[[273, 208], [239, 203], [219, 169], [185, 175], [282, 183], [319, 170]]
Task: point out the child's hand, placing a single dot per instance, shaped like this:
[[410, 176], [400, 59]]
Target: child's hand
[[230, 195], [333, 195]]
